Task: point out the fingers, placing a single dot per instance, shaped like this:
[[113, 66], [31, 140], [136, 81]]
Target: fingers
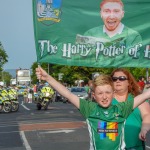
[[142, 136], [38, 73], [41, 74]]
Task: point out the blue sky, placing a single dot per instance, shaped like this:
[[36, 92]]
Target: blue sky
[[16, 33]]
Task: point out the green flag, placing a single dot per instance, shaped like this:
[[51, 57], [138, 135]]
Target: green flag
[[92, 33]]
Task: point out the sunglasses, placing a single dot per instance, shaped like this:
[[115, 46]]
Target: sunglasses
[[120, 78]]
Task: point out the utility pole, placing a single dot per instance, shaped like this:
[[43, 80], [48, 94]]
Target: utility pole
[[48, 68], [147, 74]]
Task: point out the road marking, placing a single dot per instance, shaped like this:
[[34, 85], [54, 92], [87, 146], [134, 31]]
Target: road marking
[[26, 144], [147, 147], [72, 112], [52, 126], [58, 131], [24, 106]]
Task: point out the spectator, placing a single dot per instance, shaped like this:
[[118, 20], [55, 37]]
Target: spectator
[[147, 85], [90, 83], [126, 88], [30, 95], [25, 96], [35, 88], [141, 83]]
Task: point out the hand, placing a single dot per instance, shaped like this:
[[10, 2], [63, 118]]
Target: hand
[[142, 134], [41, 74]]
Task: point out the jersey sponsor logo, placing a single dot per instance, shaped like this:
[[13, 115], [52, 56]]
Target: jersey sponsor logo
[[107, 130]]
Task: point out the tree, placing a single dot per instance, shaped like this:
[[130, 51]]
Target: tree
[[3, 59], [3, 56], [73, 73], [5, 77]]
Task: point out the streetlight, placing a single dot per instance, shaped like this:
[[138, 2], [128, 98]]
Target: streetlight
[[60, 76]]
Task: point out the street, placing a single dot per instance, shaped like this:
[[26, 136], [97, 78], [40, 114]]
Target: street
[[59, 127]]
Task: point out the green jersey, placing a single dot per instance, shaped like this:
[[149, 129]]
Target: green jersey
[[118, 49], [106, 125], [132, 127], [128, 37]]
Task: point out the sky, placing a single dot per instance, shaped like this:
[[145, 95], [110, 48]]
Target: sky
[[17, 34]]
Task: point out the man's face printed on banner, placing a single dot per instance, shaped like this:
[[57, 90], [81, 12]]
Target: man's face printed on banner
[[112, 13]]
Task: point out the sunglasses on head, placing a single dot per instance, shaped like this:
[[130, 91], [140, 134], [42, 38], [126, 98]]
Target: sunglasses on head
[[120, 78]]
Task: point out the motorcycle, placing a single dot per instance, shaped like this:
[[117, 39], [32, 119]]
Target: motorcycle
[[43, 98], [5, 104], [14, 100]]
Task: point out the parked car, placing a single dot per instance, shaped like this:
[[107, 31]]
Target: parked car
[[60, 98], [80, 92]]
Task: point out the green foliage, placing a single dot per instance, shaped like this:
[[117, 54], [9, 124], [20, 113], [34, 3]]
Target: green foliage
[[73, 73], [3, 56], [137, 72], [33, 76], [5, 77]]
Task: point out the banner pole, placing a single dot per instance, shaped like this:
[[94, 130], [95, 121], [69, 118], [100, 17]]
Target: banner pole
[[39, 67]]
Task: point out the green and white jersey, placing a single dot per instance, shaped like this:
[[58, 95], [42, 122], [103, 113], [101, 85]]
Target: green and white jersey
[[128, 37], [106, 125], [111, 50], [132, 127]]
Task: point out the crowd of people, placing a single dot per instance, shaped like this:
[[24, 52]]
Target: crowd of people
[[118, 104], [144, 84], [119, 94]]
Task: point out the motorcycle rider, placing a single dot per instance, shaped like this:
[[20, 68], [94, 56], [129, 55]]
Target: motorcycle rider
[[46, 95], [12, 91], [25, 96], [13, 96], [30, 95], [47, 88]]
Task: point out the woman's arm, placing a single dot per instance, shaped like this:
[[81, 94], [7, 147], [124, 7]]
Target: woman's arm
[[145, 114], [43, 75], [141, 98]]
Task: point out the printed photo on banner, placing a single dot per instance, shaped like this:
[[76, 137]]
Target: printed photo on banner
[[104, 33]]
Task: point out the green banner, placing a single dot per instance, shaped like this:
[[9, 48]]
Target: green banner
[[93, 33]]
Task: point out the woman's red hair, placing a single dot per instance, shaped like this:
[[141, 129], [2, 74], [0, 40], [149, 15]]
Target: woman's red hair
[[133, 85]]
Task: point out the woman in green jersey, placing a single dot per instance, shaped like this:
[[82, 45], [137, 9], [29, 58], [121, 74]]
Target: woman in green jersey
[[139, 121]]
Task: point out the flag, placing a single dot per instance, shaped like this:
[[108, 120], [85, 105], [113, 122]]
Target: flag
[[77, 33]]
